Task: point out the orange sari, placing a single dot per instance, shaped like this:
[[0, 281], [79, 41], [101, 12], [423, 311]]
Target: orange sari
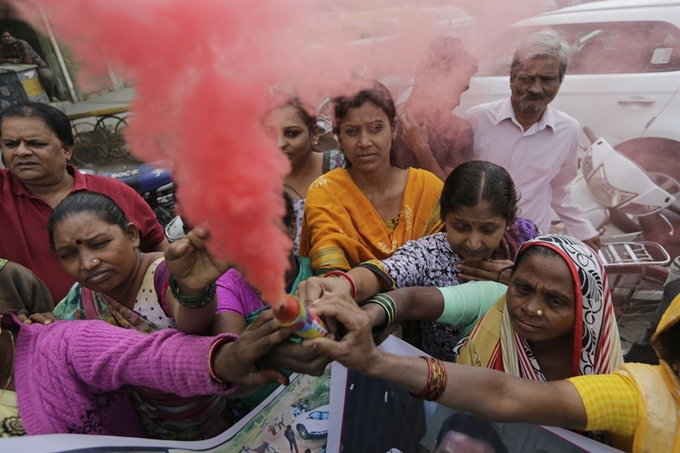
[[342, 229]]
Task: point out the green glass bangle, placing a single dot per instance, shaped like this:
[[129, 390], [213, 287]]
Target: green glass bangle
[[390, 307], [197, 301]]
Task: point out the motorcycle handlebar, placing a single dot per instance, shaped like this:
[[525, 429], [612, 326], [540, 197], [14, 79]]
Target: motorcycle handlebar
[[590, 134]]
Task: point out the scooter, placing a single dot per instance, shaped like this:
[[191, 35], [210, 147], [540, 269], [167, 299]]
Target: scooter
[[153, 183], [624, 203], [628, 206], [613, 189]]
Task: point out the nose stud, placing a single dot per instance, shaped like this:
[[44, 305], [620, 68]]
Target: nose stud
[[96, 261], [539, 312]]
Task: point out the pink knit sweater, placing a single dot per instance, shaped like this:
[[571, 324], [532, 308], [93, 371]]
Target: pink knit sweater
[[69, 375]]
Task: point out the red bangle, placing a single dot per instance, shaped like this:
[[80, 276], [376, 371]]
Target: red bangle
[[437, 378], [211, 353], [352, 285]]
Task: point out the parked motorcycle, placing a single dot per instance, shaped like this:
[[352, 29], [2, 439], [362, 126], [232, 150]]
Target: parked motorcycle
[[153, 183], [616, 193], [628, 206]]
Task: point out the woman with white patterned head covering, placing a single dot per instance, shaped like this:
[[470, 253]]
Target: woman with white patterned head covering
[[556, 319]]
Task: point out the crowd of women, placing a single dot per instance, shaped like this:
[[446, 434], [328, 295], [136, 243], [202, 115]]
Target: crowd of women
[[163, 340]]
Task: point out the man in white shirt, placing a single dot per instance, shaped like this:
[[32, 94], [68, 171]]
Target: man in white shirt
[[536, 143]]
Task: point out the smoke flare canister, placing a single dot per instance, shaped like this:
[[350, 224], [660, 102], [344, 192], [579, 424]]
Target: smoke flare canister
[[293, 313]]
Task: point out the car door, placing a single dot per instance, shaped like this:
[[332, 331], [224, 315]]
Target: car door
[[621, 76]]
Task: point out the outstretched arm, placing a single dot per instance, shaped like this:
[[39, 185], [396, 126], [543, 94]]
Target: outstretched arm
[[366, 282], [460, 305], [417, 303], [486, 393], [106, 357]]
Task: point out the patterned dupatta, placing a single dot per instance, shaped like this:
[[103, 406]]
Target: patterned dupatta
[[163, 415], [113, 312], [597, 348]]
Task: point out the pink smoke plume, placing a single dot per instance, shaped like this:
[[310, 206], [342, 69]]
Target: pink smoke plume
[[201, 69], [200, 79]]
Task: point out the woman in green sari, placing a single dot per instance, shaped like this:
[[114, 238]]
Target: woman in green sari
[[117, 283]]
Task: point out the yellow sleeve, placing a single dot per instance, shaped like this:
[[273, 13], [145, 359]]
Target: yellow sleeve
[[611, 402]]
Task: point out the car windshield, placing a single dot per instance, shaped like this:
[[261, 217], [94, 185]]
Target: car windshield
[[597, 48]]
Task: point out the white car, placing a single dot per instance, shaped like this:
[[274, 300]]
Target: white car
[[313, 423], [623, 81]]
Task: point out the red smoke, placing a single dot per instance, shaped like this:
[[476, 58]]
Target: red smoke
[[200, 70]]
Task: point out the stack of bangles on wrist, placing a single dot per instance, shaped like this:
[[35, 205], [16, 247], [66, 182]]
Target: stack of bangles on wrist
[[345, 275], [437, 377], [390, 307], [197, 301]]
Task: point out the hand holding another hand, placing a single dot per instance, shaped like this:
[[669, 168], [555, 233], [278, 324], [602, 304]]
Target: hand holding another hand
[[355, 348], [236, 362]]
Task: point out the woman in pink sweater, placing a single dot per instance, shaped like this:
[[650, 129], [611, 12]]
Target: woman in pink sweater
[[67, 377]]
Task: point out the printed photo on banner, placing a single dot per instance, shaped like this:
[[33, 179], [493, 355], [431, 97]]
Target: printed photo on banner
[[293, 418], [379, 417]]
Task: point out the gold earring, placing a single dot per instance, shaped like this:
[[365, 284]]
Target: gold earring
[[315, 141], [394, 135]]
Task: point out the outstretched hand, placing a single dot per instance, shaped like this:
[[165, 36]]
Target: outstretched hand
[[236, 362], [314, 287], [295, 357], [355, 349], [191, 264]]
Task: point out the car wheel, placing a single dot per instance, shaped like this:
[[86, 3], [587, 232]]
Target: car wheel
[[303, 432]]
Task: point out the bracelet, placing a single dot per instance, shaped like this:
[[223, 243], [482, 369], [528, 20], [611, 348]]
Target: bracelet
[[390, 307], [211, 353], [437, 378], [498, 278], [352, 285], [197, 301]]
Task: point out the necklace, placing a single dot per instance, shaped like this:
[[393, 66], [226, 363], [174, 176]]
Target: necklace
[[14, 348]]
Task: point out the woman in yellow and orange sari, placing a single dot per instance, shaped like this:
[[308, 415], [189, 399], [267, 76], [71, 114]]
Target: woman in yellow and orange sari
[[370, 209]]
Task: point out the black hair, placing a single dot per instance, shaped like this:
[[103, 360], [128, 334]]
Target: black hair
[[378, 94], [6, 30], [92, 202], [303, 111], [476, 181], [446, 55], [279, 101], [473, 427], [52, 116], [669, 340], [532, 250], [289, 219]]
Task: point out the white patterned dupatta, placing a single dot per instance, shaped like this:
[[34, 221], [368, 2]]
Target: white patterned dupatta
[[597, 348]]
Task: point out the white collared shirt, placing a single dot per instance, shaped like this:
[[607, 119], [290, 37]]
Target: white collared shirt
[[542, 161]]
